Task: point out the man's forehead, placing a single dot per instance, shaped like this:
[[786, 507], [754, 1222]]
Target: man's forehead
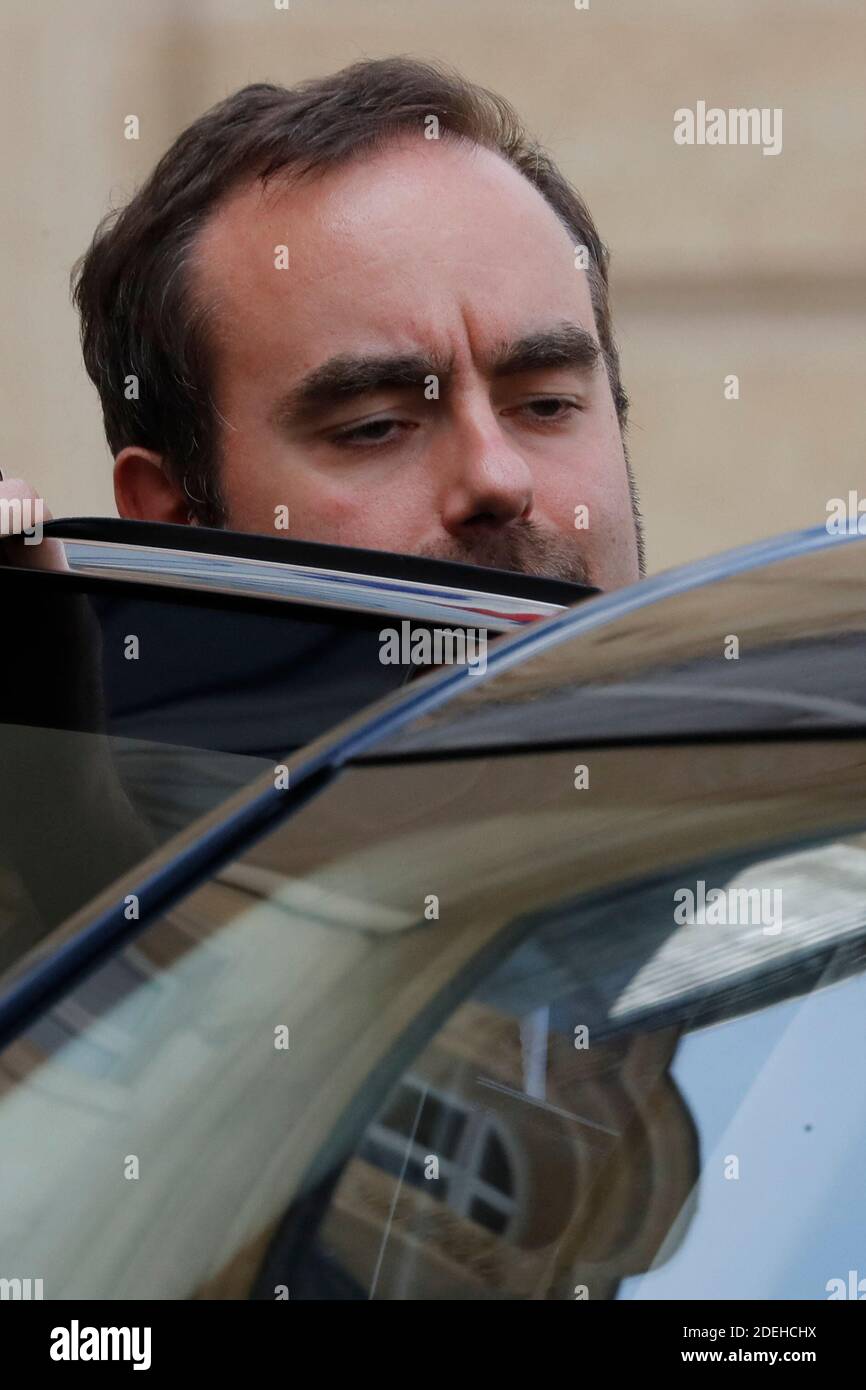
[[387, 195], [382, 243]]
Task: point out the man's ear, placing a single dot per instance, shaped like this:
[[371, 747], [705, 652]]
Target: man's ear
[[144, 489]]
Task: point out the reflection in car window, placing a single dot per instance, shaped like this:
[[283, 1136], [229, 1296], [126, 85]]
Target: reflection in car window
[[454, 1050], [611, 1153], [130, 714]]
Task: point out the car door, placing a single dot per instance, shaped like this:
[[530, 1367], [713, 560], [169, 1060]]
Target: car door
[[165, 667], [443, 1031]]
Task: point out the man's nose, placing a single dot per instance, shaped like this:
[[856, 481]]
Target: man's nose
[[489, 483]]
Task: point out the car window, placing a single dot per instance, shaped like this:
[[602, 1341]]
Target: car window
[[127, 713], [573, 1133], [354, 1065]]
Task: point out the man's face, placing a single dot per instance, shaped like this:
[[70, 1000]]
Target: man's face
[[424, 377]]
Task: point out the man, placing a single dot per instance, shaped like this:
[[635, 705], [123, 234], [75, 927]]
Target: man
[[366, 310]]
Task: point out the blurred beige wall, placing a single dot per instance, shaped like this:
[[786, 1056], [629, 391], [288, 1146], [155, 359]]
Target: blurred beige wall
[[724, 260]]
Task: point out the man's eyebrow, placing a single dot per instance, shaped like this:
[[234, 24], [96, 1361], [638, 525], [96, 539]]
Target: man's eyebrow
[[563, 345], [345, 378]]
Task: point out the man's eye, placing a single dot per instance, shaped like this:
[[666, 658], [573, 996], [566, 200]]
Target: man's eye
[[550, 408], [371, 433]]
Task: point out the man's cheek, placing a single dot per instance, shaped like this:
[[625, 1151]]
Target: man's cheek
[[570, 507], [343, 515]]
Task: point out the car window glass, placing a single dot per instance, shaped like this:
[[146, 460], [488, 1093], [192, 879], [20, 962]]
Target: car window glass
[[532, 1151], [127, 714], [362, 1001]]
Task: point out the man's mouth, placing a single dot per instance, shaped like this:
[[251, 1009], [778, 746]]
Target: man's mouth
[[523, 548]]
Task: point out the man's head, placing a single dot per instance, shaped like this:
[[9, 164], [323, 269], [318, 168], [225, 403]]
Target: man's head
[[373, 301]]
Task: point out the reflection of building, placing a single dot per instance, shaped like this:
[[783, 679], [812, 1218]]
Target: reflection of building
[[535, 1198], [475, 1164], [498, 1168]]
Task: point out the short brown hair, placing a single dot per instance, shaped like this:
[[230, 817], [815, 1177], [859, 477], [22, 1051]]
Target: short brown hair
[[131, 288]]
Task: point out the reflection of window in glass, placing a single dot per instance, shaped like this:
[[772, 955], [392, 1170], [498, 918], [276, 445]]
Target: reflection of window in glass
[[476, 1170]]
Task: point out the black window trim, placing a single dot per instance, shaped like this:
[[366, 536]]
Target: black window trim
[[288, 570]]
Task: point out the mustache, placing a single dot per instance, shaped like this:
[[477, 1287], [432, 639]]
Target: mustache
[[524, 548]]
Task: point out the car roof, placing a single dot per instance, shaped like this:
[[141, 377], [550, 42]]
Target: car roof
[[763, 642]]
